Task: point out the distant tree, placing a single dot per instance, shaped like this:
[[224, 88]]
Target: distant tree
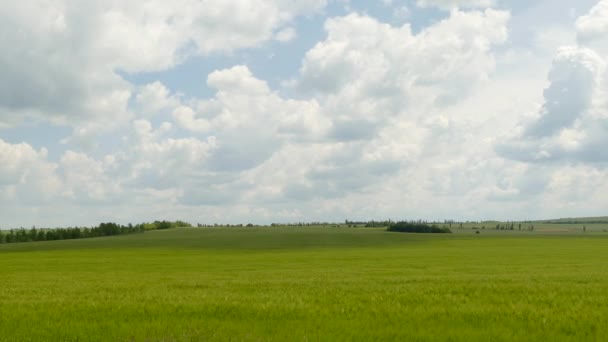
[[107, 229], [377, 224], [181, 224], [41, 236], [9, 238], [162, 224], [12, 237], [75, 233], [22, 235], [33, 234], [86, 233]]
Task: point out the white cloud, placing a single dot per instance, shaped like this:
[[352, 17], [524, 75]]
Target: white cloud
[[154, 98], [370, 72], [185, 117], [286, 35], [573, 82], [155, 160], [571, 125], [244, 103], [86, 179], [243, 100], [595, 23], [16, 159], [380, 88], [593, 28], [25, 174]]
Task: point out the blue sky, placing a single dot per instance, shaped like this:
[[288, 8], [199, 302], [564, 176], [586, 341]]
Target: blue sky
[[316, 110]]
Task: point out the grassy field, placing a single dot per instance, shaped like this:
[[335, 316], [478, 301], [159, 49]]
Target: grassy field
[[309, 284]]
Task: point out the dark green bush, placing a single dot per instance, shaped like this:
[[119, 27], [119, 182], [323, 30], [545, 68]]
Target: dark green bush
[[417, 227]]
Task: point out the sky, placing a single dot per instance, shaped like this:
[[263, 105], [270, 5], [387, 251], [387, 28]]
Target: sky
[[238, 111]]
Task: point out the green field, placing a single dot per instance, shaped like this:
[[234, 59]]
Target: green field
[[309, 284]]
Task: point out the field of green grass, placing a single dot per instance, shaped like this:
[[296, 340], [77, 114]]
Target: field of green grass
[[308, 284]]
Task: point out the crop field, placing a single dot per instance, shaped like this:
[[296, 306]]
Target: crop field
[[309, 284]]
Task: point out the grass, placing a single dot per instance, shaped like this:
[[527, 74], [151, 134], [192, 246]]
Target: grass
[[308, 284]]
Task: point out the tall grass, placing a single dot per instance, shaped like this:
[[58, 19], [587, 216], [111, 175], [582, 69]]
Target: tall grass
[[274, 284]]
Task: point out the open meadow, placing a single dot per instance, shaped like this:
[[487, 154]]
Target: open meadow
[[309, 284]]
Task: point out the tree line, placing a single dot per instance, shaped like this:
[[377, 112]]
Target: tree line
[[577, 221], [104, 229], [417, 227]]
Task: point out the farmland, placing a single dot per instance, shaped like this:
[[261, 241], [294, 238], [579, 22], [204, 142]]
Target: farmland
[[309, 284]]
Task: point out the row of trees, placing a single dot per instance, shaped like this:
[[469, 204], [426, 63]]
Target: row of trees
[[303, 224], [35, 234], [104, 229], [159, 225], [417, 227], [378, 224], [598, 220], [512, 226]]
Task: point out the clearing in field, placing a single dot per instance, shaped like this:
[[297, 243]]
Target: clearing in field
[[307, 284]]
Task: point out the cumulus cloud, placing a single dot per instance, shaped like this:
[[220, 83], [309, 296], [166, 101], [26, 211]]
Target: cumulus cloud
[[164, 160], [379, 87], [25, 174], [154, 98], [16, 159], [373, 75], [243, 103], [86, 179], [185, 117], [571, 124], [573, 81], [592, 28], [286, 35], [362, 55]]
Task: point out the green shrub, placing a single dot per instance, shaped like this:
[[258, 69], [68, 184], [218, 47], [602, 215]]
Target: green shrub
[[417, 227]]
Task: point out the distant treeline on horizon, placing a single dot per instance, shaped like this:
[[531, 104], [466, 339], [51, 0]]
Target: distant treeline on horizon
[[110, 229], [103, 229], [578, 220]]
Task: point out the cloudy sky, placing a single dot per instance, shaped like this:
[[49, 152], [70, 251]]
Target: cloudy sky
[[302, 110]]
